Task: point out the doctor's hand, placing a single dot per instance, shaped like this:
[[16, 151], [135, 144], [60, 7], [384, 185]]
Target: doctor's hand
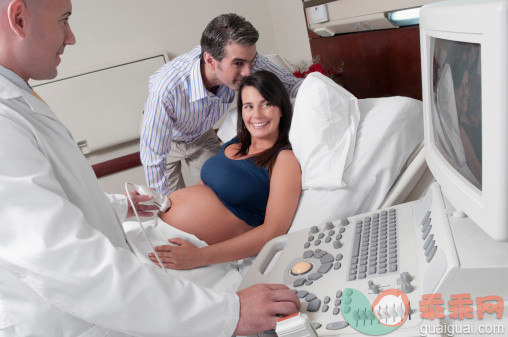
[[143, 210], [261, 306], [182, 255]]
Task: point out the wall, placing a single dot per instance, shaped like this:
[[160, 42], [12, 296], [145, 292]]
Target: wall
[[114, 31], [290, 30]]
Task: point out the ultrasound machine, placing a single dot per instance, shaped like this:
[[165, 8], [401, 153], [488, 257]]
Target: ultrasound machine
[[451, 241]]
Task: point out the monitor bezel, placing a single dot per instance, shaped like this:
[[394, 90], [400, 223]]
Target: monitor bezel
[[481, 23]]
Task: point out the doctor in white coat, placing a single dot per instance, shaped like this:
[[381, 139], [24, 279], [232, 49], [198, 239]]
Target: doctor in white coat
[[65, 269]]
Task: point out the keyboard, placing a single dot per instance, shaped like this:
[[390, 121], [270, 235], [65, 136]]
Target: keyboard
[[374, 245]]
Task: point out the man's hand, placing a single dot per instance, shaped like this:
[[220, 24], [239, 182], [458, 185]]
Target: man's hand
[[143, 210], [261, 306]]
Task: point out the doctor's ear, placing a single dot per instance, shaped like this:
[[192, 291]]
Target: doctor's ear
[[17, 13]]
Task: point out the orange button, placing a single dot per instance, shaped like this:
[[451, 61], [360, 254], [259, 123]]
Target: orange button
[[301, 268]]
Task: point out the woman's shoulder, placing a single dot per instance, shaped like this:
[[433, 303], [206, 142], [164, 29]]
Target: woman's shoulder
[[286, 157], [286, 168], [232, 141], [286, 152], [231, 149]]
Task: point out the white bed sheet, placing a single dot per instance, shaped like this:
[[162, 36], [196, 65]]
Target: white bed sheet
[[221, 277]]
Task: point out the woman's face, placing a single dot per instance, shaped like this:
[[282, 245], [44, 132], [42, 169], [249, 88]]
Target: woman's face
[[260, 117], [462, 94]]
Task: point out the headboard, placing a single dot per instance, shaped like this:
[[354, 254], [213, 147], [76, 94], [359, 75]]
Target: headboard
[[377, 63]]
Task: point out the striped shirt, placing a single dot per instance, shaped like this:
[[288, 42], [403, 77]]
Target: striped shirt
[[180, 108]]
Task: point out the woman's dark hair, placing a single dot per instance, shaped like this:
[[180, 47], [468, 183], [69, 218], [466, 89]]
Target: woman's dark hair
[[272, 90]]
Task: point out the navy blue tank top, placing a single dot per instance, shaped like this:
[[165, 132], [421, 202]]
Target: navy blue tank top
[[241, 185]]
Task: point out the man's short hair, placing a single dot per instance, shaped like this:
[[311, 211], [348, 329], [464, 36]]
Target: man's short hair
[[224, 29]]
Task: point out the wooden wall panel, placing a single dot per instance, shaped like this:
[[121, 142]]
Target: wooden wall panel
[[376, 63], [116, 165]]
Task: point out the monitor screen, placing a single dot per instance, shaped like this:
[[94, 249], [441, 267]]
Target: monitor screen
[[457, 106]]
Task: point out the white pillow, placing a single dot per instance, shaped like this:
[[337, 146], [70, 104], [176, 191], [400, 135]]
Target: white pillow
[[390, 130], [323, 131]]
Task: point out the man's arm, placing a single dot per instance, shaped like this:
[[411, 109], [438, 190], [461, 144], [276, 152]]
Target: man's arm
[[156, 136], [291, 83]]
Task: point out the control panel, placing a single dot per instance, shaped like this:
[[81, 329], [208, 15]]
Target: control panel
[[341, 268]]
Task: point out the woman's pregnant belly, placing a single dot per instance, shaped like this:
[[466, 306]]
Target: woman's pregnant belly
[[197, 210]]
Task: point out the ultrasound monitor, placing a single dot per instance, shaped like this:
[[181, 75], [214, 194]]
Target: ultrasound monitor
[[465, 90]]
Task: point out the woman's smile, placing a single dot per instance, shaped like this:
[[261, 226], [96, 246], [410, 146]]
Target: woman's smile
[[260, 125]]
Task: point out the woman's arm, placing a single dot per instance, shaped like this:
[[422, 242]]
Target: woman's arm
[[285, 190]]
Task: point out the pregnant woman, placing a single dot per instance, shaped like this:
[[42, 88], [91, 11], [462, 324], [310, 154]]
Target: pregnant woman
[[248, 192]]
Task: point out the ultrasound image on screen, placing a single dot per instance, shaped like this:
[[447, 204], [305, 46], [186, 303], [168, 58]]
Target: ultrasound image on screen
[[457, 106]]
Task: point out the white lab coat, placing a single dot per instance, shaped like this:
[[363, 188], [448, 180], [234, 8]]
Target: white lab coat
[[65, 269]]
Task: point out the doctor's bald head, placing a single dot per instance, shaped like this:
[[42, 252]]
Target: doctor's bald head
[[33, 36]]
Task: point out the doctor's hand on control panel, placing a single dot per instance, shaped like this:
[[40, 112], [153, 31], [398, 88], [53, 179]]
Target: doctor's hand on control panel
[[261, 306], [78, 276]]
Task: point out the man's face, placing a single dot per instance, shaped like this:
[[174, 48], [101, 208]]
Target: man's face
[[236, 64], [48, 32]]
